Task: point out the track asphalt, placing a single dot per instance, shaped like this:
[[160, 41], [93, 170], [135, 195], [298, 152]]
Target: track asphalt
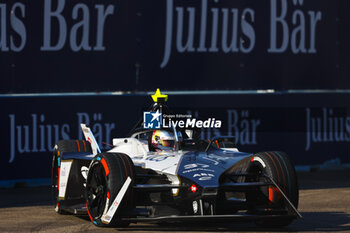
[[324, 204]]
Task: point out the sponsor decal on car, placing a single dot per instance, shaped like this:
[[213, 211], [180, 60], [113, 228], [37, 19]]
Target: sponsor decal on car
[[64, 174], [203, 176], [161, 157]]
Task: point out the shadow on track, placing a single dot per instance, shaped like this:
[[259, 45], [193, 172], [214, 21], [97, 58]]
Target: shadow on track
[[313, 221], [323, 222]]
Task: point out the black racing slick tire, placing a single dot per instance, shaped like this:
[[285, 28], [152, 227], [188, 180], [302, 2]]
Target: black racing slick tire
[[107, 174], [277, 166], [64, 147]]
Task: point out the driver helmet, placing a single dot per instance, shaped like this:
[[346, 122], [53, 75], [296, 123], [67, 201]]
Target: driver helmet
[[164, 140]]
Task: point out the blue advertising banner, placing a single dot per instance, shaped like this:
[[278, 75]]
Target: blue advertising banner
[[107, 53], [63, 46], [134, 45]]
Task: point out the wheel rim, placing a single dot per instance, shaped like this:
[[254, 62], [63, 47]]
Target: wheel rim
[[96, 190], [262, 196]]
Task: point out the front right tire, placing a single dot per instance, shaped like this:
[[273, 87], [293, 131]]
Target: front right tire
[[279, 167]]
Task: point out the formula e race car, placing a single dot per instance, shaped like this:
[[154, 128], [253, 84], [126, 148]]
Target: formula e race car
[[171, 175]]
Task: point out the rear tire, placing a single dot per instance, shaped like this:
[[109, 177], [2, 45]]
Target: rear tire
[[64, 147], [278, 166], [107, 174]]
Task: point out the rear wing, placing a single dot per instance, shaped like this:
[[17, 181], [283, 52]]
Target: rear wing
[[89, 136]]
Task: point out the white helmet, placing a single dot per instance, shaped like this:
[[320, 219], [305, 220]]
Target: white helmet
[[164, 140]]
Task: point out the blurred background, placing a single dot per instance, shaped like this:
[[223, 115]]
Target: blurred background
[[276, 72]]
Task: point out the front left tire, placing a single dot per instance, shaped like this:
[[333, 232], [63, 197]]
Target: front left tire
[[107, 174]]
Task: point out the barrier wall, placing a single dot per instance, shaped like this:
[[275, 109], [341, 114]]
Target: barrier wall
[[311, 128], [68, 46], [134, 46]]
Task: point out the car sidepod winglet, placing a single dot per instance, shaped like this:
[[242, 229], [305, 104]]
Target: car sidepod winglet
[[108, 216], [89, 136]]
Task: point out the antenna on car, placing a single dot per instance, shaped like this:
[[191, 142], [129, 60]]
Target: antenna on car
[[159, 97], [176, 138], [159, 100]]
